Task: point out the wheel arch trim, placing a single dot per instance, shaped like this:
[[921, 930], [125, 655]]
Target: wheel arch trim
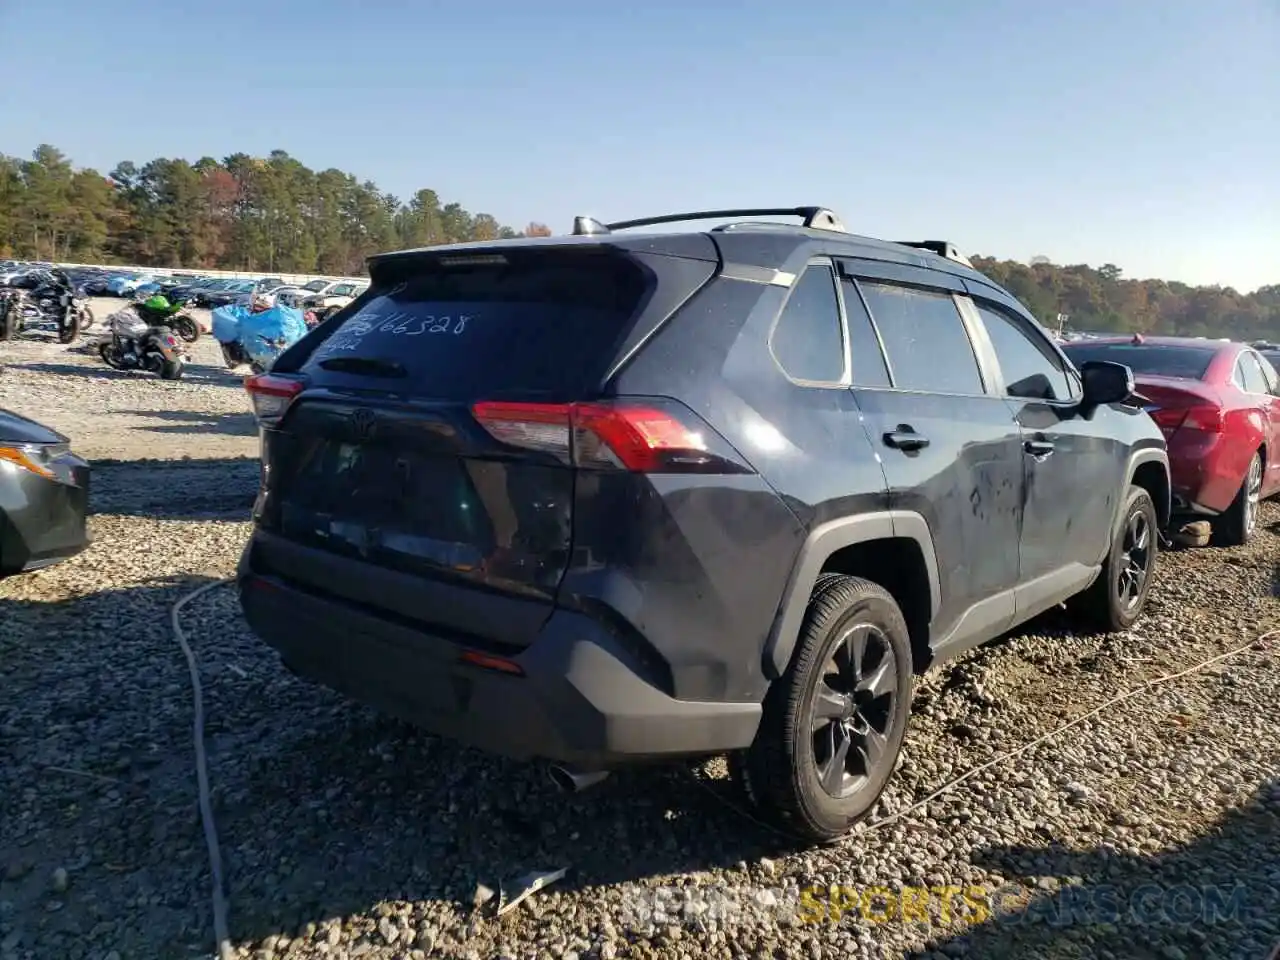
[[825, 540], [1144, 456]]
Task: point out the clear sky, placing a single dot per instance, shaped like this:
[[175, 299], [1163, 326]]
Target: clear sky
[[1140, 132]]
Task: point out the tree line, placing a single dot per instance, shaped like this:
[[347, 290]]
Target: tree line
[[275, 214], [1101, 299], [271, 214]]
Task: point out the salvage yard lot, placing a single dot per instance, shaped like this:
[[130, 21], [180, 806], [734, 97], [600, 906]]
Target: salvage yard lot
[[348, 834]]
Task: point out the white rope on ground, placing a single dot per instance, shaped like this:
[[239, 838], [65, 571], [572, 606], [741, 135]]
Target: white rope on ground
[[950, 785], [221, 931], [1076, 721]]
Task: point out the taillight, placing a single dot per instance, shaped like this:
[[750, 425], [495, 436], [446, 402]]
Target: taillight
[[1206, 418], [645, 436], [271, 395]]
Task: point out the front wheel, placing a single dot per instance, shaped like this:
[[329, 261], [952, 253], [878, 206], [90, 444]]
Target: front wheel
[[111, 356], [834, 723], [1117, 598], [69, 328], [1235, 526], [186, 328]]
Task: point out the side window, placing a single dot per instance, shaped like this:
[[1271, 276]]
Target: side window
[[1269, 372], [806, 341], [865, 356], [1251, 374], [928, 346], [1030, 370]]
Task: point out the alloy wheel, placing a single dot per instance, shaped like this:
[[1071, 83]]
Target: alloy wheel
[[1135, 560], [853, 708], [1252, 495]]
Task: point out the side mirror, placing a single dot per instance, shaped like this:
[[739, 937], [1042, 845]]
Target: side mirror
[[1105, 382]]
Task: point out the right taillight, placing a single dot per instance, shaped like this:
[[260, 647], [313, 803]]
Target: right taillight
[[644, 436]]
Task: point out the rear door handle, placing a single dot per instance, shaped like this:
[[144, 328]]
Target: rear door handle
[[905, 440], [1038, 448]]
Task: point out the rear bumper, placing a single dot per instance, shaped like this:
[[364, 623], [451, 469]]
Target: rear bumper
[[578, 701], [42, 521]]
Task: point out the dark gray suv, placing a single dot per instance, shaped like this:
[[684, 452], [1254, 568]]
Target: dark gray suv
[[634, 495]]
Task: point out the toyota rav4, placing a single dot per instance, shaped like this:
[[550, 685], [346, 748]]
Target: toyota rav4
[[641, 494]]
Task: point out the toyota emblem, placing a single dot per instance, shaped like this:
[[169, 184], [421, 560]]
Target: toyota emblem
[[363, 420]]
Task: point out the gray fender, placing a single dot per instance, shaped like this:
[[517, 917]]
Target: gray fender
[[822, 542]]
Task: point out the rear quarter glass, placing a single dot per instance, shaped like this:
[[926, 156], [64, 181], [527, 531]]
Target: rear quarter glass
[[546, 329]]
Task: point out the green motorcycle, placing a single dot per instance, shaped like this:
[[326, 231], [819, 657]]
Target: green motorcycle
[[158, 311]]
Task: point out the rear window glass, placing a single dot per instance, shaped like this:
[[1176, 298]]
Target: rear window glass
[[546, 326], [1161, 360]]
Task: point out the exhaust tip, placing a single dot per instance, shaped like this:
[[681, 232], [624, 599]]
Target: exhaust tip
[[575, 781]]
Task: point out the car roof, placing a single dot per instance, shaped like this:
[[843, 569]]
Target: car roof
[[819, 225], [1157, 341]]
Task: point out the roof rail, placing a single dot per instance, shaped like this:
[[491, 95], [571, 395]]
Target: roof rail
[[819, 218], [942, 248]]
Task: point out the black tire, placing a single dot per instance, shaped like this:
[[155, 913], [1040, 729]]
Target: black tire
[[1235, 526], [1115, 600], [8, 324], [69, 332], [86, 318], [107, 352], [187, 329], [171, 370], [782, 772]]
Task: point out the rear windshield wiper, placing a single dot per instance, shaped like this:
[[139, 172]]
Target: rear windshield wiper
[[365, 366]]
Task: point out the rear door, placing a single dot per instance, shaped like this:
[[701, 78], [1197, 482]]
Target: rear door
[[381, 467], [950, 448], [1256, 378]]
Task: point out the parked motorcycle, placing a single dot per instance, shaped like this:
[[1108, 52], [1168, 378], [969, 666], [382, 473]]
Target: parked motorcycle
[[56, 301], [11, 315], [158, 311], [130, 343]]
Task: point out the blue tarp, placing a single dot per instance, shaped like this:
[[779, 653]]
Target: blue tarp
[[254, 330]]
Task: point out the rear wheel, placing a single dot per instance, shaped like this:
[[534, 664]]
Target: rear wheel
[[187, 329], [171, 370], [1117, 598], [834, 723], [86, 318], [1236, 524]]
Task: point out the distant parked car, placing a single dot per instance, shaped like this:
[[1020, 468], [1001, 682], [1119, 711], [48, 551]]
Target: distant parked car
[[44, 496], [332, 299], [1218, 404], [294, 296], [233, 292]]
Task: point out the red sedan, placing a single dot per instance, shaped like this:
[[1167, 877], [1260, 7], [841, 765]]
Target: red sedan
[[1218, 404]]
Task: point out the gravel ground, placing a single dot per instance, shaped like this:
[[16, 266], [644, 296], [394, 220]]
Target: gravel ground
[[114, 414], [346, 834]]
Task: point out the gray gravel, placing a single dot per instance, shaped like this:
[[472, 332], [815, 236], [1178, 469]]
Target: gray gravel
[[348, 834]]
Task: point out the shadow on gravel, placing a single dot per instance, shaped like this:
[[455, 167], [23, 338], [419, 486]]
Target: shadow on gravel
[[185, 421], [391, 814], [204, 374], [1216, 897], [221, 488]]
